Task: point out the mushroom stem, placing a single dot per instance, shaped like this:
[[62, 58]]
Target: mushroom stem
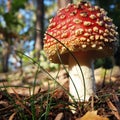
[[82, 80]]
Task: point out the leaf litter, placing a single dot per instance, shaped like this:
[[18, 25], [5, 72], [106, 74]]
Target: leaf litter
[[52, 103]]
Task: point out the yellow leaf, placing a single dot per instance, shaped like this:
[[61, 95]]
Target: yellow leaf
[[92, 116]]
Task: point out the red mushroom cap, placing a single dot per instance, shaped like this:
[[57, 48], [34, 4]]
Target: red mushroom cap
[[80, 27]]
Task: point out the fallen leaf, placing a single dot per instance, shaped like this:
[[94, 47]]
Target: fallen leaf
[[117, 102], [12, 116], [59, 116], [113, 109], [92, 116]]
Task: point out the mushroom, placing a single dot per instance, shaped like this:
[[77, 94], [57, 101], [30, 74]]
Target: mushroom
[[88, 33]]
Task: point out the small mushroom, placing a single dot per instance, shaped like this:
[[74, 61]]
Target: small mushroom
[[89, 34]]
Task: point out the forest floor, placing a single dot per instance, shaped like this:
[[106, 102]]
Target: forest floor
[[31, 95]]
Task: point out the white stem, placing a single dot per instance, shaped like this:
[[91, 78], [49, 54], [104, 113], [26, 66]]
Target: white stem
[[82, 81]]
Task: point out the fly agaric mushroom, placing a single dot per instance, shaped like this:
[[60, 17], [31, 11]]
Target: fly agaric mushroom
[[89, 34]]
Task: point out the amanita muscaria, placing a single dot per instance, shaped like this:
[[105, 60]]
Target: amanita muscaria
[[88, 33]]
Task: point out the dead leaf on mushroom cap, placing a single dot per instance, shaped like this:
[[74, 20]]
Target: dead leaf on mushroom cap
[[92, 115]]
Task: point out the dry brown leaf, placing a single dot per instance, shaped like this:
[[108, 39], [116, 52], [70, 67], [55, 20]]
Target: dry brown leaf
[[113, 109], [4, 103], [18, 102], [117, 102], [92, 116], [59, 116], [58, 93], [12, 116]]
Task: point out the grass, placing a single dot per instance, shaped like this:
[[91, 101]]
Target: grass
[[20, 104], [58, 54], [31, 110], [48, 104]]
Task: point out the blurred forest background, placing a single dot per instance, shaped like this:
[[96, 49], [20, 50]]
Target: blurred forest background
[[22, 27], [26, 72]]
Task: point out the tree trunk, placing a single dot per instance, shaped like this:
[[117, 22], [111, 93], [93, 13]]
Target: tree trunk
[[39, 27], [63, 3], [5, 57], [6, 49]]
